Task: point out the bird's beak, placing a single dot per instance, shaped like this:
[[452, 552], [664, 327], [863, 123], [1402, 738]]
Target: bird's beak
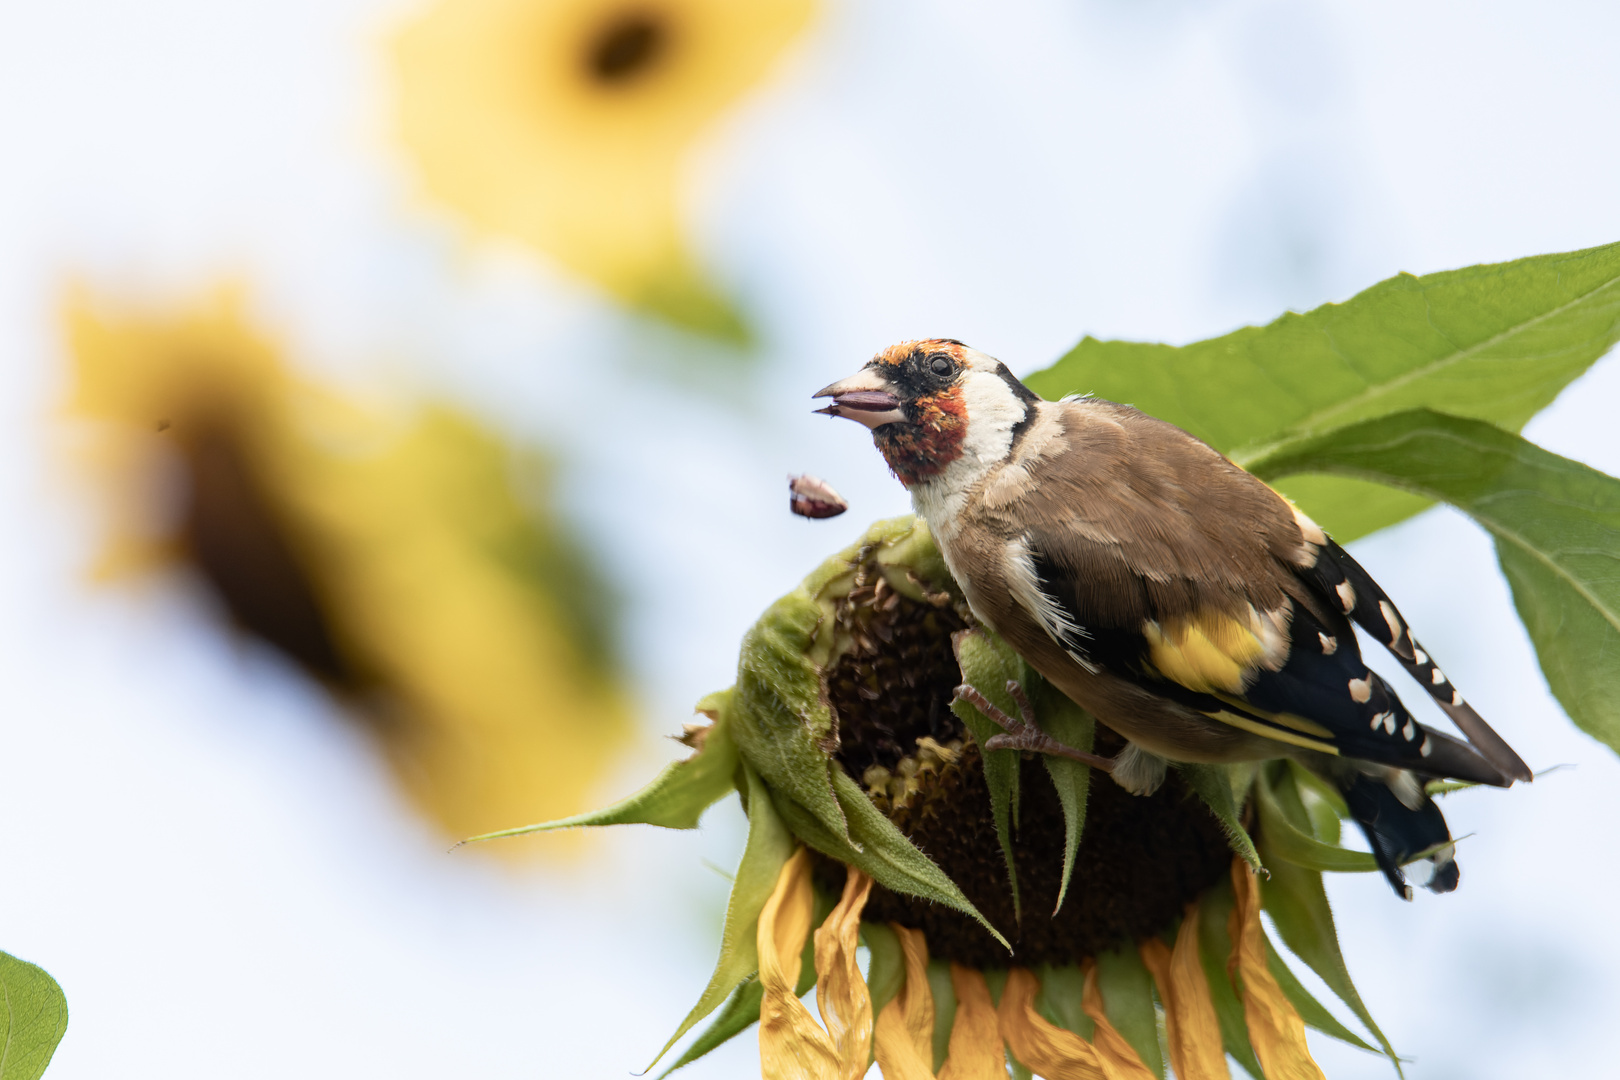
[[866, 397]]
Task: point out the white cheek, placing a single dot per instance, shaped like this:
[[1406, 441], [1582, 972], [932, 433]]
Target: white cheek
[[993, 411]]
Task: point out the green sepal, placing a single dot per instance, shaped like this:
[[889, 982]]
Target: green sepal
[[1072, 726], [766, 852], [677, 796], [1556, 524], [1059, 1000], [1127, 994], [740, 1012], [988, 664], [1283, 837], [1497, 343], [944, 992], [1215, 784], [886, 972], [781, 721], [1214, 952], [1298, 905], [885, 853], [33, 1020], [1313, 1012]]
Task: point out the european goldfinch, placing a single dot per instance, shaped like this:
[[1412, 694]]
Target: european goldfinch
[[1174, 596]]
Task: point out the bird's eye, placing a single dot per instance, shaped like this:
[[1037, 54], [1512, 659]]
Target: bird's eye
[[939, 366]]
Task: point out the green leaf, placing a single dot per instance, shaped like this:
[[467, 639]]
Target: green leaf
[[886, 973], [1492, 342], [1062, 991], [884, 852], [33, 1021], [944, 992], [987, 664], [1556, 524], [1072, 726], [1313, 1012], [1214, 949], [768, 848], [1298, 905], [740, 1012], [1127, 993], [676, 798], [1213, 784]]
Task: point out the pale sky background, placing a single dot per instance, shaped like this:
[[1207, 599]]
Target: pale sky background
[[214, 865]]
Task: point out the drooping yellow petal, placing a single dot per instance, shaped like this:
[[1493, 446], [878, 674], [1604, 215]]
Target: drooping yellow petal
[[1190, 1024], [792, 1046], [1051, 1051], [841, 994], [905, 1028], [1118, 1057], [976, 1046], [1275, 1029]]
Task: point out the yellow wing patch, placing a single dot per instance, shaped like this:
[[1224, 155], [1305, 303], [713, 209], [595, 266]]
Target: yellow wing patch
[[1215, 652], [1280, 734]]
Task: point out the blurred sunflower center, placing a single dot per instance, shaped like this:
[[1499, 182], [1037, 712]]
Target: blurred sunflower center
[[627, 47], [235, 538], [1140, 861]]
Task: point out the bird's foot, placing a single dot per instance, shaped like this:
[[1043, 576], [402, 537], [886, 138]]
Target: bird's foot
[[1021, 732]]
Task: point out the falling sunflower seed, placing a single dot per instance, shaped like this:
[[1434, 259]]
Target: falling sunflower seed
[[812, 497]]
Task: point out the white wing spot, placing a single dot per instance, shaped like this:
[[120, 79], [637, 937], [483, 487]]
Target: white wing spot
[[1425, 749], [1456, 696], [1389, 723], [1394, 621], [1347, 596], [1026, 589], [1379, 719], [1361, 690], [1330, 645], [1420, 657], [1439, 677], [1409, 732]]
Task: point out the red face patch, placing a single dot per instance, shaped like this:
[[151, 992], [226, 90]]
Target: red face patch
[[920, 451]]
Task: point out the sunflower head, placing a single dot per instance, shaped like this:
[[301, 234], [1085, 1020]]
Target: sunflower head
[[392, 559], [566, 125], [1013, 912]]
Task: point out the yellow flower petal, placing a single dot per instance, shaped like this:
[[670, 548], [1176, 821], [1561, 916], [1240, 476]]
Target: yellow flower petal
[[1191, 1027], [1053, 1052], [1275, 1029], [392, 543], [792, 1046], [1115, 1053], [976, 1047], [841, 994], [905, 1028], [565, 123]]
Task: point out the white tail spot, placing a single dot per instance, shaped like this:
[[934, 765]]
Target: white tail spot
[[1409, 731], [1389, 723], [1456, 696], [1420, 656], [1379, 719], [1425, 749], [1439, 677], [1394, 621]]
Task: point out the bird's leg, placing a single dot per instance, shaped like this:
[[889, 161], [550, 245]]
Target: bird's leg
[[1021, 733]]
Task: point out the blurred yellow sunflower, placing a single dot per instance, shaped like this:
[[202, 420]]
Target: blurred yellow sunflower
[[565, 123], [1017, 917], [391, 558]]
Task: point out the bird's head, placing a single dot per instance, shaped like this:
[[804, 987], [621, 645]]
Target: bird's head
[[931, 402]]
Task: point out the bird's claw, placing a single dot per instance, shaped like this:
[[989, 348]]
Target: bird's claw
[[1021, 732]]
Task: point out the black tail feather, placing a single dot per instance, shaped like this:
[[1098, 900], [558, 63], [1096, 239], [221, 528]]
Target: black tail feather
[[1398, 832]]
